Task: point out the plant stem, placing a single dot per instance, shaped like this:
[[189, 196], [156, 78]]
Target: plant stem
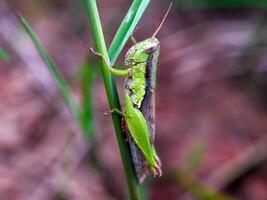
[[113, 99]]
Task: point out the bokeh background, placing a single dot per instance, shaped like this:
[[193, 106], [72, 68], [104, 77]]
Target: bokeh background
[[211, 102]]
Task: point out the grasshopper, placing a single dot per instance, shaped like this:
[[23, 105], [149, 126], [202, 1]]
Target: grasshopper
[[141, 62]]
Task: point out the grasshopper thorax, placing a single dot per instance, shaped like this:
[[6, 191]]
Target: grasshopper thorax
[[141, 51]]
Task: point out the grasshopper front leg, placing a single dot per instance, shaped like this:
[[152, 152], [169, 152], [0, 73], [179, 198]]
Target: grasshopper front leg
[[114, 71], [123, 121]]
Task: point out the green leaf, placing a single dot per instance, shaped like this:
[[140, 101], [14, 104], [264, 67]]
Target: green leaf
[[4, 55], [61, 83], [126, 28]]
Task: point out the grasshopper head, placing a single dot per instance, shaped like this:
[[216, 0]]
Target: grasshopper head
[[141, 51]]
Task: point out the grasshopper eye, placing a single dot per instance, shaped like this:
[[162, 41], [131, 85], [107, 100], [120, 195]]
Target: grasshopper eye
[[151, 49], [131, 62]]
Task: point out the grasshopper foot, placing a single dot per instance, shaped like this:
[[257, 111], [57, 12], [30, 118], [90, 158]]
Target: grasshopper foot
[[114, 110], [107, 113], [156, 171], [95, 52]]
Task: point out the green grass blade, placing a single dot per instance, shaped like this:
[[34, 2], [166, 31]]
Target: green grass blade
[[61, 83], [126, 28], [112, 95], [4, 55]]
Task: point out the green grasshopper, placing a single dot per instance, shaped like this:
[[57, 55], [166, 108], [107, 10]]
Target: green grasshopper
[[141, 62]]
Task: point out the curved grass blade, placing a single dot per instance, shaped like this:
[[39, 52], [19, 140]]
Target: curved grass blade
[[61, 83], [126, 28]]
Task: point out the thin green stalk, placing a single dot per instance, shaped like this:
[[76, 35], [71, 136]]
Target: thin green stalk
[[112, 95]]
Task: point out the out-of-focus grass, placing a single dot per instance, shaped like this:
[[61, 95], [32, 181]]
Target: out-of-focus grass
[[195, 154], [84, 113], [61, 83], [199, 190], [4, 55], [87, 73]]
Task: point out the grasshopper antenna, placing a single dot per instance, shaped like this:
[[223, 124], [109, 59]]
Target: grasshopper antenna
[[162, 21]]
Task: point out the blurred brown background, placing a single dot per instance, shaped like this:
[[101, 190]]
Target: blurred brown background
[[211, 102]]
